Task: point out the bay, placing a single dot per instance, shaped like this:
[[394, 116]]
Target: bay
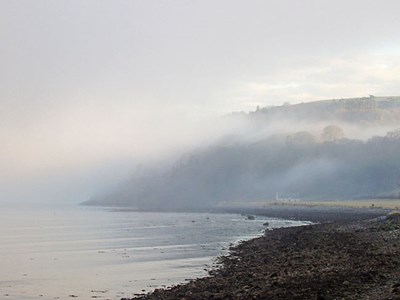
[[88, 252]]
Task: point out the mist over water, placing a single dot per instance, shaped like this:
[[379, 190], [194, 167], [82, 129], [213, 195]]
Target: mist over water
[[91, 91], [181, 106]]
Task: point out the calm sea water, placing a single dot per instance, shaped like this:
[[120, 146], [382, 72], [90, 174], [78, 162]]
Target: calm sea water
[[97, 253]]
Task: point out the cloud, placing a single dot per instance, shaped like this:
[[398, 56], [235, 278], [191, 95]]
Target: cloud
[[324, 78], [88, 83]]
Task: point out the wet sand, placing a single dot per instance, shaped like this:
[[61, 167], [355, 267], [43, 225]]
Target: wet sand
[[352, 254]]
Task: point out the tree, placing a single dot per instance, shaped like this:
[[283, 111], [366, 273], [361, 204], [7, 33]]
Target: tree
[[393, 135], [301, 138], [332, 133]]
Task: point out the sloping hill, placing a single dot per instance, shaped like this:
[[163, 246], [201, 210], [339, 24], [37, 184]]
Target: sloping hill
[[317, 163], [354, 110]]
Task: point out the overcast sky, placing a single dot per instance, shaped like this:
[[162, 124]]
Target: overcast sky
[[88, 86]]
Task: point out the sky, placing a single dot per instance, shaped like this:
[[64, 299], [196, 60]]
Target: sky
[[90, 89]]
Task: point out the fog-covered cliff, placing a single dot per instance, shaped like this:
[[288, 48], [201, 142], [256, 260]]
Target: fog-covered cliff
[[334, 149]]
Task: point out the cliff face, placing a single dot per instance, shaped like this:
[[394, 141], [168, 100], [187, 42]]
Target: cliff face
[[316, 161]]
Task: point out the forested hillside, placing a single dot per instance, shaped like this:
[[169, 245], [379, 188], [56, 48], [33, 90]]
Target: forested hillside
[[354, 110], [318, 161]]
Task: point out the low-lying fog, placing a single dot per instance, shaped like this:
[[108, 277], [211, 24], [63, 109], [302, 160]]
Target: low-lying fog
[[93, 92]]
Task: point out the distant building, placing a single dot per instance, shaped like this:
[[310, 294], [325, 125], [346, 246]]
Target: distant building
[[287, 197]]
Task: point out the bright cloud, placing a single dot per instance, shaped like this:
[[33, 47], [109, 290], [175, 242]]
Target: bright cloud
[[324, 78]]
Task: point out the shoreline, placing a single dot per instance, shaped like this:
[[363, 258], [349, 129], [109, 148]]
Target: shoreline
[[300, 212], [349, 254], [316, 214]]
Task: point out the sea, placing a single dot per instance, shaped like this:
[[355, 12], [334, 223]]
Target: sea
[[104, 253]]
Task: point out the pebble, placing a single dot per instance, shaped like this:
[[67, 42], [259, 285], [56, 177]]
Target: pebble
[[322, 261]]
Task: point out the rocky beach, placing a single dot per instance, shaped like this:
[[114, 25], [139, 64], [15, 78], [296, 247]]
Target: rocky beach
[[349, 254]]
